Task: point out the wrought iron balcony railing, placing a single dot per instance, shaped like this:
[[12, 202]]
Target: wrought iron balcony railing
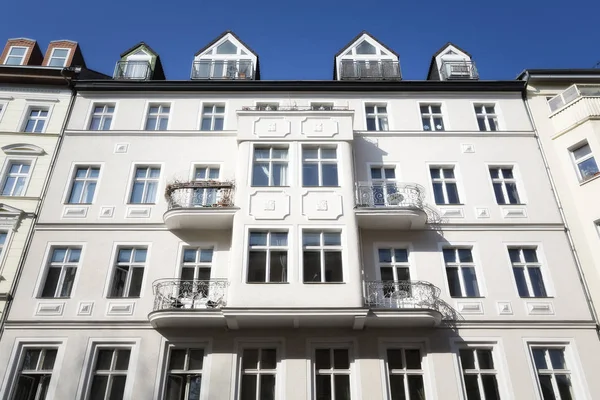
[[295, 108], [372, 69], [173, 294], [389, 195], [199, 194], [458, 70], [223, 69], [402, 295], [133, 70]]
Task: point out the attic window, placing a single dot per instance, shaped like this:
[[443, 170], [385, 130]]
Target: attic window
[[16, 56], [366, 48], [58, 58], [227, 48]]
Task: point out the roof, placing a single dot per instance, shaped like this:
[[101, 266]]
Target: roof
[[437, 53], [220, 37], [22, 38], [560, 72], [129, 50], [358, 37], [64, 40]]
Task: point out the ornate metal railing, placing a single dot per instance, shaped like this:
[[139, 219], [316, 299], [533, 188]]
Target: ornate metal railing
[[223, 69], [133, 70], [371, 69], [295, 108], [172, 294], [199, 194], [389, 194], [458, 70]]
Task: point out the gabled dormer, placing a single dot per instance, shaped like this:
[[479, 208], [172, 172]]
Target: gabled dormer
[[452, 63], [226, 57], [366, 58], [21, 51], [139, 63]]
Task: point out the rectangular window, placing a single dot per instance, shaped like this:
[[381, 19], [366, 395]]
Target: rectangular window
[[196, 264], [527, 271], [480, 376], [145, 185], [553, 372], [184, 376], [377, 118], [505, 185], [267, 257], [84, 184], [270, 166], [384, 187], [205, 197], [445, 188], [110, 374], [16, 178], [61, 270], [460, 271], [213, 117], [332, 373], [102, 116], [35, 373], [3, 236], [128, 272], [405, 374], [16, 56], [158, 117], [319, 166], [431, 115], [322, 256], [36, 121], [585, 162], [393, 264], [267, 106], [258, 374], [58, 57], [487, 119]]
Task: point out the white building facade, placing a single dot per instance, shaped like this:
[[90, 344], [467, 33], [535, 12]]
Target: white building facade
[[361, 238]]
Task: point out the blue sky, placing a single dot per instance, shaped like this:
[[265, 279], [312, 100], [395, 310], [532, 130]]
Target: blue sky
[[297, 39]]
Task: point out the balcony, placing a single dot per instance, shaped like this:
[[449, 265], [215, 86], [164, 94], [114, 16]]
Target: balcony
[[575, 105], [269, 107], [405, 303], [458, 70], [223, 69], [373, 69], [137, 70], [180, 303], [390, 206], [199, 205]]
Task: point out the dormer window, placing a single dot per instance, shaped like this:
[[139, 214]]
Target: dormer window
[[367, 58], [226, 58], [58, 57], [139, 63], [16, 55], [452, 63]]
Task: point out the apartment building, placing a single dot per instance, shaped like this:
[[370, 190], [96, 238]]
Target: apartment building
[[35, 99], [365, 237]]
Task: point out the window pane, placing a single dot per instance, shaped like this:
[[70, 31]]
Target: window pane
[[371, 124], [250, 359], [472, 387], [76, 192], [481, 124], [452, 191], [118, 286], [385, 255], [322, 360], [470, 281], [530, 255], [394, 359], [332, 239], [539, 359], [588, 168], [537, 282], [387, 274], [175, 385], [465, 255], [279, 174], [31, 359], [139, 255], [278, 239], [342, 387], [177, 360], [195, 387], [278, 266], [453, 282], [438, 193], [557, 358], [206, 255], [268, 359], [323, 387], [564, 387], [267, 387], [416, 389], [68, 280], [490, 387], [340, 359], [311, 238], [257, 262], [582, 151], [413, 358], [218, 124], [546, 385], [467, 359], [499, 193], [310, 174], [248, 387], [397, 387], [449, 255], [135, 287], [333, 266], [205, 126], [258, 238], [513, 194], [485, 359], [122, 360], [49, 359], [376, 173], [330, 174], [312, 266], [401, 255], [434, 172], [104, 359], [51, 282], [98, 387], [260, 174], [519, 273]]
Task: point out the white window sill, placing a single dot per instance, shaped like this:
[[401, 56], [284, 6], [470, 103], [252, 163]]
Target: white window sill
[[589, 180]]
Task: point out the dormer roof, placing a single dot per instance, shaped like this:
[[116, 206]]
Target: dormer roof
[[142, 48], [447, 49], [222, 36], [359, 38], [368, 47]]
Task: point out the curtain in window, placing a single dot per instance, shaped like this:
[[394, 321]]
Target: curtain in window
[[280, 172]]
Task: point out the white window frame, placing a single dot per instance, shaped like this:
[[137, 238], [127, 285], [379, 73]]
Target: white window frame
[[45, 120], [71, 181], [6, 170], [48, 264], [376, 114], [515, 179], [498, 371], [270, 161], [133, 180], [4, 247], [486, 117], [476, 265], [277, 343], [197, 264], [66, 58], [94, 346], [456, 180], [268, 248], [430, 115], [103, 115], [320, 161], [111, 275], [322, 248], [23, 56], [258, 372], [539, 264], [212, 115], [333, 343], [577, 161], [404, 372], [410, 264], [186, 371], [159, 115]]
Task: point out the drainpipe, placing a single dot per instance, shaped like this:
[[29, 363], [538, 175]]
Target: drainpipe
[[67, 73], [580, 272]]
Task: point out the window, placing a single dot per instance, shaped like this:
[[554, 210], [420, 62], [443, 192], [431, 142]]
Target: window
[[102, 116], [3, 236], [267, 257], [158, 117], [184, 377], [460, 271], [84, 185], [35, 373], [332, 374], [487, 119], [321, 106], [110, 374], [258, 374], [383, 183], [145, 185], [16, 178], [36, 120], [129, 272], [527, 271], [267, 106], [2, 108], [212, 117], [445, 189], [16, 56], [585, 162], [393, 264], [505, 185], [322, 256], [61, 271], [553, 373], [58, 58], [377, 119], [319, 166], [196, 264], [480, 376], [405, 374], [431, 115], [270, 166], [205, 197]]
